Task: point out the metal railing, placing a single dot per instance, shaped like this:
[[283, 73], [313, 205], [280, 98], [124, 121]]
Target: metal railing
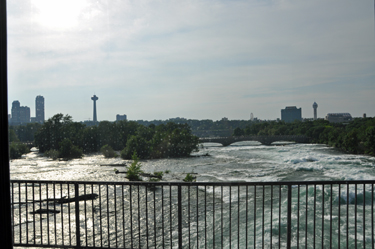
[[321, 214]]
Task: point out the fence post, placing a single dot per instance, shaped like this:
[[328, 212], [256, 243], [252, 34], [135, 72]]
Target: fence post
[[289, 236], [78, 235], [179, 203]]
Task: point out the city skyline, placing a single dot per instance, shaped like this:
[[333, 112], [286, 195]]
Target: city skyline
[[198, 60]]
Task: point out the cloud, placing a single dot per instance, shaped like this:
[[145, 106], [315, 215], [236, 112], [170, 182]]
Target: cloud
[[208, 58]]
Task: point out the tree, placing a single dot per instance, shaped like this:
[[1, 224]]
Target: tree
[[68, 150]]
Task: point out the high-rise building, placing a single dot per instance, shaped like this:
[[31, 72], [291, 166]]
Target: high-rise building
[[20, 114], [94, 98], [291, 113], [39, 109], [120, 117], [315, 106]]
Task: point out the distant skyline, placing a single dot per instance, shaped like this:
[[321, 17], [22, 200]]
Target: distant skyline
[[195, 59]]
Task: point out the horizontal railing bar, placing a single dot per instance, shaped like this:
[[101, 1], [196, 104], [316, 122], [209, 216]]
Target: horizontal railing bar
[[286, 183]]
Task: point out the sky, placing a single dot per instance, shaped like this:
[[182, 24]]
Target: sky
[[196, 59]]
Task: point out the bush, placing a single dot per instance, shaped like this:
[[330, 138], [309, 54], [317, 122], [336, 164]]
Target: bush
[[189, 178], [108, 152], [134, 170], [68, 150], [54, 154], [16, 150]]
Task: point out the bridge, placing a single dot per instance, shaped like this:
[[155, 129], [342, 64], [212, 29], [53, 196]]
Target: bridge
[[265, 140]]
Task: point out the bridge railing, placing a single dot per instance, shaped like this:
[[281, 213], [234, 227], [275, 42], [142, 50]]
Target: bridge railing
[[329, 214]]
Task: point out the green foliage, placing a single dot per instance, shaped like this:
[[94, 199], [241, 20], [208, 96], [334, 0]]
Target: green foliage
[[158, 174], [189, 178], [69, 151], [108, 152], [134, 170], [54, 154], [16, 150]]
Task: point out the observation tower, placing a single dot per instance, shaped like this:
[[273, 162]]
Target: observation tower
[[94, 98], [315, 106]]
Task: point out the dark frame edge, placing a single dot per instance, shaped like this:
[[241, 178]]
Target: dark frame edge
[[6, 236]]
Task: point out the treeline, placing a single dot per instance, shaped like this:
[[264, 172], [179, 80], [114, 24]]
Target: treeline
[[60, 133], [357, 136], [205, 127]]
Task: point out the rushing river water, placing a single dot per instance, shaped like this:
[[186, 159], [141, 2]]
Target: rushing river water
[[241, 162]]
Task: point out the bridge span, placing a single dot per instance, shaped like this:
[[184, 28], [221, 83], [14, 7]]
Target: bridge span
[[266, 140]]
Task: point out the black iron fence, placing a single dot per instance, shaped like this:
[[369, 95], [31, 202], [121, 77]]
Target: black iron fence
[[329, 214]]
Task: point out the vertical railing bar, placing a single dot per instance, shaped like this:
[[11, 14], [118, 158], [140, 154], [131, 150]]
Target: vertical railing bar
[[222, 213], [100, 215], [13, 221], [364, 216], [298, 213], [289, 242], [179, 202], [33, 211], [355, 215], [170, 215], [54, 208], [197, 218], [62, 216], [238, 217], [189, 216], [323, 216], [347, 216], [93, 217], [306, 220], [123, 216], [19, 211], [139, 219], [69, 219], [314, 215], [146, 200], [76, 192], [271, 216], [108, 234], [162, 214], [84, 192], [339, 219], [115, 197], [213, 216], [372, 216], [27, 217], [246, 224], [230, 216], [131, 215], [279, 216], [330, 220], [255, 214], [47, 190], [155, 216], [205, 216], [263, 217]]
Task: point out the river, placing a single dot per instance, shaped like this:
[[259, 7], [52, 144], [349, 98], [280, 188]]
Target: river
[[245, 162]]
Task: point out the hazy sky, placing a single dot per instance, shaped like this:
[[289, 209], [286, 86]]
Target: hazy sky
[[198, 59]]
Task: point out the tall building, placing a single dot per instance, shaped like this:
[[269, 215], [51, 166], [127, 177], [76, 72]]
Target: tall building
[[291, 113], [39, 109], [20, 114], [94, 98], [315, 106], [339, 117], [120, 117]]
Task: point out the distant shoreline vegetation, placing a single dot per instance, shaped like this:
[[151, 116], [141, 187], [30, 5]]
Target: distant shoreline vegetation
[[60, 137], [355, 137]]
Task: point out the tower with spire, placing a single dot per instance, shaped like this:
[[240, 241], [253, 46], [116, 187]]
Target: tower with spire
[[315, 106], [94, 98]]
